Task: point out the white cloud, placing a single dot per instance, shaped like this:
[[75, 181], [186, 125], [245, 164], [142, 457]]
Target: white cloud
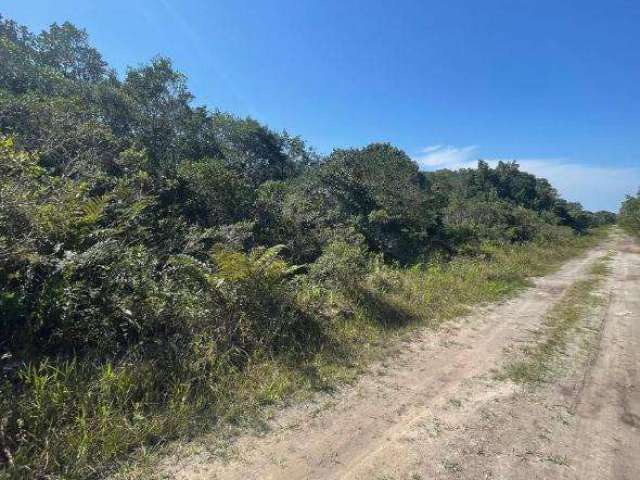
[[445, 156], [595, 186]]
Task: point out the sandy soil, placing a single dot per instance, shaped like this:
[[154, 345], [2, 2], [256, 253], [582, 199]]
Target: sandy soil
[[437, 410]]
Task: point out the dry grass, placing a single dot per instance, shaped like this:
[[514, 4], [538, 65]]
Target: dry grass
[[563, 319]]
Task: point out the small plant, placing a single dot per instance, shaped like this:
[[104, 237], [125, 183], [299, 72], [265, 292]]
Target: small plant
[[452, 466]]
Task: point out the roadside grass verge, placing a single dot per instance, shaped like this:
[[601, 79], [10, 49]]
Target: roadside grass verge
[[370, 319], [83, 420], [563, 319]]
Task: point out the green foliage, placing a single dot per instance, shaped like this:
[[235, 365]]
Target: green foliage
[[504, 204], [164, 267], [213, 195], [256, 152], [629, 216], [51, 62], [376, 193], [603, 218], [341, 265]]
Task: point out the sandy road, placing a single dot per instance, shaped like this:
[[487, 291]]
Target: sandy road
[[439, 411], [607, 435]]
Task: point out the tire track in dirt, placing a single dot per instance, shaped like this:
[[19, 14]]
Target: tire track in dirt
[[582, 424], [606, 443]]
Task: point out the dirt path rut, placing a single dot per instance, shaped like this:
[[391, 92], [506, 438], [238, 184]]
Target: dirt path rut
[[439, 412], [607, 435]]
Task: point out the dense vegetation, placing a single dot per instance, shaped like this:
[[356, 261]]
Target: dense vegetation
[[629, 216], [164, 265]]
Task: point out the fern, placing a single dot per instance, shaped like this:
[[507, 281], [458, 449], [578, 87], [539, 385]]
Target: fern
[[93, 209]]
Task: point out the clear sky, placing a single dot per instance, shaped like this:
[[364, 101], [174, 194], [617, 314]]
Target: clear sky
[[553, 84]]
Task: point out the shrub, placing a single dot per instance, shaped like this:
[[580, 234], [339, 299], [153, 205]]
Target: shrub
[[629, 216], [341, 264]]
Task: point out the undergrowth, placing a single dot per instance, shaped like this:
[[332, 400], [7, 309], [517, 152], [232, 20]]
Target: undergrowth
[[76, 418]]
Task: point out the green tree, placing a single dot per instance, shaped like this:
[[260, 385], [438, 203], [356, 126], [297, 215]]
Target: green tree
[[159, 109], [212, 194], [629, 216]]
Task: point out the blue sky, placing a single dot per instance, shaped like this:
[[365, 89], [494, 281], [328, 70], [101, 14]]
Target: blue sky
[[551, 84]]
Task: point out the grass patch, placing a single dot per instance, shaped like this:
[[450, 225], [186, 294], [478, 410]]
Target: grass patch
[[559, 323]]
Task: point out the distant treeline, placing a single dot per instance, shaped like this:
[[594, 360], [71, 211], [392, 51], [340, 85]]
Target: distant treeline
[[629, 216], [138, 227]]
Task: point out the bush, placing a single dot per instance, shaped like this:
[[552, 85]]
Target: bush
[[211, 194], [341, 265], [629, 216]]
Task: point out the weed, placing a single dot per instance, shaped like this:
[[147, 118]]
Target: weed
[[557, 459], [451, 466]]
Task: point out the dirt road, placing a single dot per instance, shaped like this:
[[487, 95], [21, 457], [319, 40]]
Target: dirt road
[[440, 410]]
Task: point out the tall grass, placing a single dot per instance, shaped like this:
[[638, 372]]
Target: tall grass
[[76, 418]]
